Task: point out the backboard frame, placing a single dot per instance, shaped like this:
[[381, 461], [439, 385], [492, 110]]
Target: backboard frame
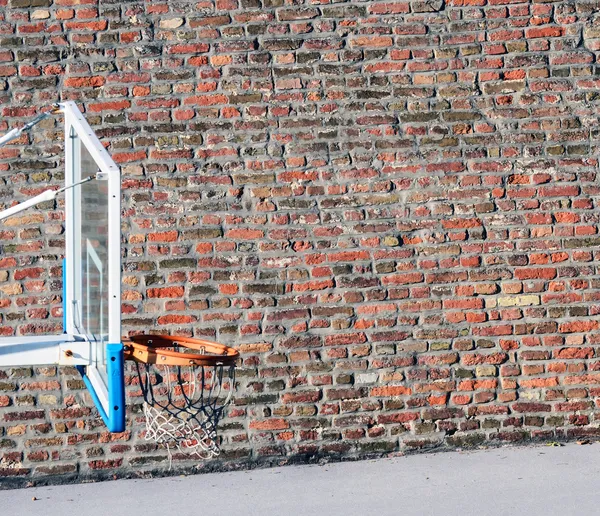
[[74, 347], [106, 388]]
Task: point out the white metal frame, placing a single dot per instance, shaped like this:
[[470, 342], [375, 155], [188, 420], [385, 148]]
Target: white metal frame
[[72, 347], [75, 121], [44, 350], [75, 124]]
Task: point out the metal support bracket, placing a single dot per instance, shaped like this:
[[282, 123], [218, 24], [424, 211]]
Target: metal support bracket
[[44, 350]]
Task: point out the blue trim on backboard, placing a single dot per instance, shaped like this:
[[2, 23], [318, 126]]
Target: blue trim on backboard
[[64, 294], [115, 418], [116, 386]]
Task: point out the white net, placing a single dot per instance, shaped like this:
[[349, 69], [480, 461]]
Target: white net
[[169, 431], [182, 412]]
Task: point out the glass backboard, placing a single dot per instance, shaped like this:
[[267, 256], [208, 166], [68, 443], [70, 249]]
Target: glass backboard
[[93, 262]]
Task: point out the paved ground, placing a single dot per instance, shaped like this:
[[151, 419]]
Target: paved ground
[[532, 481]]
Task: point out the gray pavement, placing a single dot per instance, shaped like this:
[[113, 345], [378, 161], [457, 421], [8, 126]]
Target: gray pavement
[[532, 481]]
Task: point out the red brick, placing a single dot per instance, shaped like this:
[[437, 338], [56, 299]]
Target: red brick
[[391, 390], [269, 424], [167, 236], [190, 48], [372, 41], [244, 234], [116, 105], [403, 279], [581, 326], [535, 273], [126, 157], [176, 319], [165, 292], [93, 26], [8, 70], [531, 407], [544, 32], [84, 82]]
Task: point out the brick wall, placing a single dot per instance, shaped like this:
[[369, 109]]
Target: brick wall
[[388, 207]]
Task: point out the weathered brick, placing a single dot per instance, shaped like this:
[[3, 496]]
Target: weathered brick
[[274, 198]]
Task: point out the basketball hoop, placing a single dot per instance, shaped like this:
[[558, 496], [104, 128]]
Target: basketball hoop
[[198, 382]]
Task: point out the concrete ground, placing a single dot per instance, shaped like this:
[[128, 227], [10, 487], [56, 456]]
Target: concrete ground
[[538, 480]]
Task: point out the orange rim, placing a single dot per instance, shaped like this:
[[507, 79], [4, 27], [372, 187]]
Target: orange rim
[[152, 349]]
